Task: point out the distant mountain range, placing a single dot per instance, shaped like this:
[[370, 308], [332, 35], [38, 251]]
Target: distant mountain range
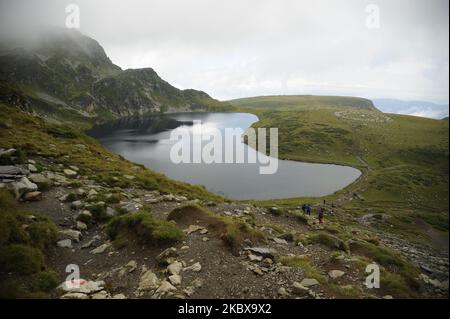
[[416, 108]]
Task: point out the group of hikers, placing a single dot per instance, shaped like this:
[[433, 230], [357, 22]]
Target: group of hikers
[[307, 208]]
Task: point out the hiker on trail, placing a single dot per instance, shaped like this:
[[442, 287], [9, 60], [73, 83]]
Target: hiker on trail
[[308, 209], [304, 208], [321, 213]]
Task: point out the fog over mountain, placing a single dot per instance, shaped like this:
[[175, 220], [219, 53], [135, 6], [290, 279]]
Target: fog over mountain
[[416, 108], [233, 49]]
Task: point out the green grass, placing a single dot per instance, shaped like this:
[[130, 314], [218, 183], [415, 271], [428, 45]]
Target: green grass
[[145, 228], [21, 259], [302, 102], [404, 161], [303, 263], [233, 231], [328, 240]]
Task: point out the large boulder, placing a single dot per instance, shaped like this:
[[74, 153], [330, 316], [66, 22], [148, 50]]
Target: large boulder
[[23, 186]]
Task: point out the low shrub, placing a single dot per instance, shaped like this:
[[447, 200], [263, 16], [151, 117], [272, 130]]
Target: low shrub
[[21, 259], [144, 227]]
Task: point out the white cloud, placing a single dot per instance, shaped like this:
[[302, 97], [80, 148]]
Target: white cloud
[[239, 48]]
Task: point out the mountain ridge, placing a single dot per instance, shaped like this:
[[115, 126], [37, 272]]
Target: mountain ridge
[[66, 75]]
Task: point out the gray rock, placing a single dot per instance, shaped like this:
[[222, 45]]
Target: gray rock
[[32, 196], [71, 233], [75, 295], [195, 267], [175, 280], [78, 204], [167, 254], [148, 281], [165, 287], [263, 251], [12, 170], [39, 179], [308, 282], [69, 172], [32, 168], [175, 268], [336, 274], [65, 243], [299, 289], [101, 249], [81, 226], [23, 186]]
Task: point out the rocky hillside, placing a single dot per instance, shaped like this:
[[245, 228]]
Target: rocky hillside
[[65, 75]]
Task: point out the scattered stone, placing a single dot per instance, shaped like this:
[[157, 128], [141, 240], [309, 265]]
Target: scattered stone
[[72, 234], [81, 226], [308, 282], [299, 289], [65, 243], [166, 255], [175, 280], [129, 177], [101, 295], [119, 296], [283, 292], [39, 179], [101, 249], [69, 172], [32, 168], [148, 281], [175, 268], [23, 186], [263, 251], [388, 297], [205, 239], [165, 287], [255, 258], [78, 204], [75, 295], [280, 241], [336, 274], [88, 244], [195, 267], [32, 196], [74, 168], [92, 193], [192, 229]]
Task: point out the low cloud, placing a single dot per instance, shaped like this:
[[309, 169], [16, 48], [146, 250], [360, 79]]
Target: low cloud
[[234, 48]]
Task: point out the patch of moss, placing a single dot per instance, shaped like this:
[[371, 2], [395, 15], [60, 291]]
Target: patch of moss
[[42, 233], [21, 259], [45, 281], [145, 228], [328, 240], [303, 263]]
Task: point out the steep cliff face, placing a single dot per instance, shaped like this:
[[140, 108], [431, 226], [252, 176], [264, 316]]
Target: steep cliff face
[[64, 74]]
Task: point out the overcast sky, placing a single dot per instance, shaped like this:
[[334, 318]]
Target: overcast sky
[[238, 48]]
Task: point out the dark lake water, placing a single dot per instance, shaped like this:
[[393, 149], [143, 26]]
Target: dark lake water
[[147, 141]]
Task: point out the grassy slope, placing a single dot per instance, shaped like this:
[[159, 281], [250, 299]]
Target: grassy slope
[[36, 137], [302, 102], [405, 161]]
